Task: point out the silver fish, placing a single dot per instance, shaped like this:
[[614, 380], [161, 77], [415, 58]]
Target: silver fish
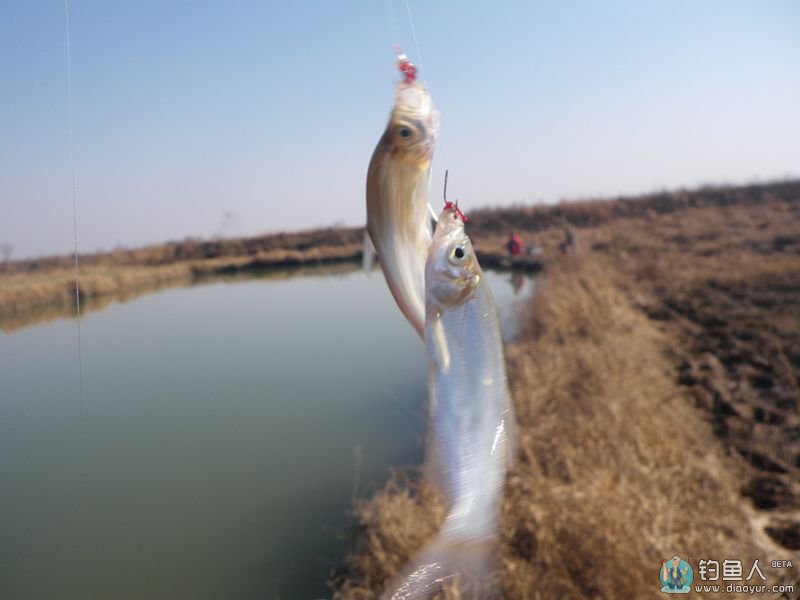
[[398, 218], [470, 444]]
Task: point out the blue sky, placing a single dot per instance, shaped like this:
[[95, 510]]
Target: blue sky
[[198, 118]]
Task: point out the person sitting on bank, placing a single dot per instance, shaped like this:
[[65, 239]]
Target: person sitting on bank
[[514, 244]]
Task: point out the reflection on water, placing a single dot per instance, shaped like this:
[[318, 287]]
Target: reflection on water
[[511, 293], [219, 429], [43, 314]]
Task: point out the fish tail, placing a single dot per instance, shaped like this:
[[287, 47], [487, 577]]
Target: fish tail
[[445, 562]]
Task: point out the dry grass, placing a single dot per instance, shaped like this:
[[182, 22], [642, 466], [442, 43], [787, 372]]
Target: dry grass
[[657, 393], [43, 298], [724, 285], [599, 212], [195, 250], [46, 286], [20, 293], [54, 297], [616, 470]]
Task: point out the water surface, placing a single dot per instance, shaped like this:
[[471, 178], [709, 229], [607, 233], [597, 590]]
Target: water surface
[[213, 454]]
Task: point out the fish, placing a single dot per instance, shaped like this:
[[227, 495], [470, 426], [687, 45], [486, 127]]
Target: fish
[[472, 428], [399, 226]]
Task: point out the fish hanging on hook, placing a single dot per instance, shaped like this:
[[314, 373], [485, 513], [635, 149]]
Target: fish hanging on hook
[[471, 434], [399, 224]]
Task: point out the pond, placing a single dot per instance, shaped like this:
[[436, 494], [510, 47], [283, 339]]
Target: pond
[[222, 432]]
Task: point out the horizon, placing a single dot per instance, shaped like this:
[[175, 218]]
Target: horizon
[[208, 122], [561, 202]]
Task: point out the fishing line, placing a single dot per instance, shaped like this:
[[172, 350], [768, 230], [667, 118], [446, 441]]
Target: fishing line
[[394, 30], [81, 408], [440, 150], [416, 43]]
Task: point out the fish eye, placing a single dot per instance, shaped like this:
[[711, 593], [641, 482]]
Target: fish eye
[[459, 253], [405, 132]]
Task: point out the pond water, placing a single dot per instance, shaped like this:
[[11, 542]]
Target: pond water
[[214, 453]]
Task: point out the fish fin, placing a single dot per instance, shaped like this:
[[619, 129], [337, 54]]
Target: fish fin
[[445, 563], [434, 217], [369, 255], [439, 342]]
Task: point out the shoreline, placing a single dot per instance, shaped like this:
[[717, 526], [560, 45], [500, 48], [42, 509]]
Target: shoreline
[[24, 298]]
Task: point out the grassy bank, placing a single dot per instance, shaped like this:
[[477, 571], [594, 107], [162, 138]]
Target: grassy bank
[[656, 386], [28, 288], [724, 285], [616, 469], [124, 292]]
